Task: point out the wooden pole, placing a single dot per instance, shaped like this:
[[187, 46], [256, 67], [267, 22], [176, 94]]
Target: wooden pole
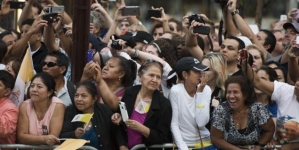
[[81, 17]]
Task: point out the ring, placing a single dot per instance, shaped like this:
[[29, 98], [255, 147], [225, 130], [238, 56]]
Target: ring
[[128, 125]]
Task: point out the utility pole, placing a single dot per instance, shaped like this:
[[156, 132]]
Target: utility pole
[[80, 37]]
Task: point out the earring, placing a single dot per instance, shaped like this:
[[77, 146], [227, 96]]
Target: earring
[[119, 79]]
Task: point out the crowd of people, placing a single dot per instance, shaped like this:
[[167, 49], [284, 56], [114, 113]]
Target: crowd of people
[[225, 89]]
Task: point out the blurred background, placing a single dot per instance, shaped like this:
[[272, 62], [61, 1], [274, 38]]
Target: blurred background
[[260, 12]]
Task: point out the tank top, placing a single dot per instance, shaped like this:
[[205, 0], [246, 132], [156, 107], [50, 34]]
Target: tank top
[[41, 127]]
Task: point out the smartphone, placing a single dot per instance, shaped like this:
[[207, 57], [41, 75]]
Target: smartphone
[[131, 11], [205, 30], [243, 54], [89, 55], [123, 111], [283, 17], [54, 9], [154, 13], [16, 5], [50, 17]]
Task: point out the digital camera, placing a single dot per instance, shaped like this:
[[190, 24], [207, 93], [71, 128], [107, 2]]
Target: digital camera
[[115, 44], [221, 1], [196, 18], [54, 9]]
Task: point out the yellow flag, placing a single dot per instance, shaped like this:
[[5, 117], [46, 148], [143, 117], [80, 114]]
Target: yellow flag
[[23, 79], [82, 118]]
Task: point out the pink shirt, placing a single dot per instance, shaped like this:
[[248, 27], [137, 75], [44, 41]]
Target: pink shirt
[[8, 121], [41, 127], [135, 137]]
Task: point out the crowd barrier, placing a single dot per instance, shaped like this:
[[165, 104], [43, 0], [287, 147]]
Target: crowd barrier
[[170, 145], [34, 147]]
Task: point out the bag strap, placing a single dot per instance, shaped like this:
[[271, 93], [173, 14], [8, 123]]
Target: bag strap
[[201, 142]]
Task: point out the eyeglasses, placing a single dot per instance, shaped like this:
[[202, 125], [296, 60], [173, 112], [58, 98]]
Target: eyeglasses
[[50, 64]]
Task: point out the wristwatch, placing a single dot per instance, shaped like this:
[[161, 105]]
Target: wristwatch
[[235, 12]]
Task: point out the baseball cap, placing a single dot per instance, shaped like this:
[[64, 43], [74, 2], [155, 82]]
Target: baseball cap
[[246, 40], [187, 63], [142, 36], [294, 24]]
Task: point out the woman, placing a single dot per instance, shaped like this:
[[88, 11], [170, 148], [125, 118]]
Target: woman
[[45, 110], [98, 130], [118, 73], [190, 104], [268, 74], [217, 76], [8, 111], [280, 70], [237, 121], [258, 56], [13, 66], [148, 110]]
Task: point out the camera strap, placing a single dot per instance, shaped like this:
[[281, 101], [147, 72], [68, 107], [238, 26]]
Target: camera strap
[[220, 32]]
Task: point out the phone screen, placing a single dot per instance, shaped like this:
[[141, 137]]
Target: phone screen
[[89, 55], [283, 17]]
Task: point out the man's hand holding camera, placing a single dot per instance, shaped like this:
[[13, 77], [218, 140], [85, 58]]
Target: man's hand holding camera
[[232, 5], [37, 25], [294, 50]]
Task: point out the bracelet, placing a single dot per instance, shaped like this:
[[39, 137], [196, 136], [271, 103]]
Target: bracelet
[[235, 12], [136, 54]]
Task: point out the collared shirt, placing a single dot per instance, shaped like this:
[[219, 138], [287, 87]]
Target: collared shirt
[[64, 94], [8, 121]]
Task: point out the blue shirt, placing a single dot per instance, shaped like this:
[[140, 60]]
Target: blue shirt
[[91, 136], [273, 109]]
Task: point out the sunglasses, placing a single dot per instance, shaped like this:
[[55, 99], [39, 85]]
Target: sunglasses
[[50, 64]]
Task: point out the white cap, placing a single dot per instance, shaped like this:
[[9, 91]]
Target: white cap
[[245, 40]]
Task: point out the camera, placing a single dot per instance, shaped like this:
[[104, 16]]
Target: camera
[[115, 44], [196, 18], [221, 1], [54, 9]]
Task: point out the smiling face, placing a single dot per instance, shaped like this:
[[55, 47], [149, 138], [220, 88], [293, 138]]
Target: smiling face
[[84, 100], [38, 91], [235, 96]]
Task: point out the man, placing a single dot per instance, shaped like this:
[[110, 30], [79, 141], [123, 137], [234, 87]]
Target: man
[[268, 40], [291, 130], [278, 50], [230, 50], [8, 38], [142, 39], [56, 64]]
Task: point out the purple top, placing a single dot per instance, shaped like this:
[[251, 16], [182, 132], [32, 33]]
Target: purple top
[[134, 137]]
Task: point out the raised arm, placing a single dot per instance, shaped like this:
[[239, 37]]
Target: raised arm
[[244, 27], [26, 12], [265, 86], [5, 8], [108, 96], [293, 63], [231, 29], [49, 36], [163, 19], [18, 48], [108, 20], [66, 18], [191, 42]]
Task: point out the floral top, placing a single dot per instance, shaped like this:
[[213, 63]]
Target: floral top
[[223, 121]]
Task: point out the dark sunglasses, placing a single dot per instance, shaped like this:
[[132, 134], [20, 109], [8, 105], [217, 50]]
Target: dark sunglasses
[[50, 64]]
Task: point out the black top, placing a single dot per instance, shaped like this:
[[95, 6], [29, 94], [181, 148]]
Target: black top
[[158, 118], [101, 122], [38, 57], [239, 72]]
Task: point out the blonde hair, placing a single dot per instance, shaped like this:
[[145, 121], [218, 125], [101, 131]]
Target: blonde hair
[[254, 46], [218, 65]]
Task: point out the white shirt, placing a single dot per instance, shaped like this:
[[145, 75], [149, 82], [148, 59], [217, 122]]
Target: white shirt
[[188, 115], [64, 94], [2, 66], [283, 95], [166, 70]]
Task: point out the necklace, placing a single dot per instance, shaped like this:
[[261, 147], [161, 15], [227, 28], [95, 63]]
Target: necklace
[[238, 116], [118, 89]]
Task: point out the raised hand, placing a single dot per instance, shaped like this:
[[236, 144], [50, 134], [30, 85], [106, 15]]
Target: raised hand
[[5, 7], [232, 5], [38, 24], [163, 15]]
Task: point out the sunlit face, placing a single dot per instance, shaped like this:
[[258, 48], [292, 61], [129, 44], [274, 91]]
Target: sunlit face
[[84, 100], [152, 50], [280, 76], [9, 69], [112, 70], [151, 78], [158, 33], [257, 59], [38, 91], [229, 49], [235, 96], [210, 73]]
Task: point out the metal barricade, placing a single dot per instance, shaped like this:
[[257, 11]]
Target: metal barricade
[[162, 146], [34, 147]]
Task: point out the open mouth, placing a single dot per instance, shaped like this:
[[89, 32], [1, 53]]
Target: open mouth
[[232, 101]]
